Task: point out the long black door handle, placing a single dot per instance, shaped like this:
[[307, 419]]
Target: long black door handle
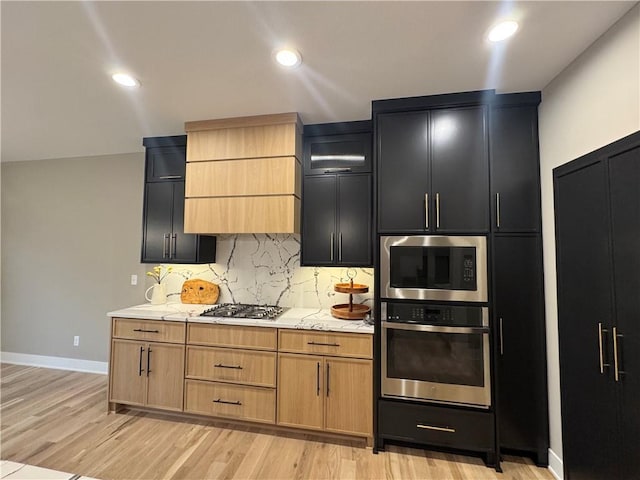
[[148, 361], [318, 379], [140, 362], [327, 379]]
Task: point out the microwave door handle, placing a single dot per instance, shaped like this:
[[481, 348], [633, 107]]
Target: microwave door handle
[[434, 328]]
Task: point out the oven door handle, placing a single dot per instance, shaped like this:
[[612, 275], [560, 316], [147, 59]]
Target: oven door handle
[[434, 328]]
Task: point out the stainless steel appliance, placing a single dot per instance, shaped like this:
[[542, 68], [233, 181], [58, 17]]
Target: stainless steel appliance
[[437, 353], [432, 267], [242, 310]]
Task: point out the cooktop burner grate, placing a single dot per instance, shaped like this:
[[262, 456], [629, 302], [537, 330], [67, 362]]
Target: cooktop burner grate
[[243, 310]]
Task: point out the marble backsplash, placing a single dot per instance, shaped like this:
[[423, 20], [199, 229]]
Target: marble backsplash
[[265, 269]]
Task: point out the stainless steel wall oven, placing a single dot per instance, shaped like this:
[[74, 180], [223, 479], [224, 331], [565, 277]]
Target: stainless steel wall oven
[[436, 352]]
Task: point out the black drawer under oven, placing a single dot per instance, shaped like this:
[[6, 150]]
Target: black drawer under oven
[[437, 426]]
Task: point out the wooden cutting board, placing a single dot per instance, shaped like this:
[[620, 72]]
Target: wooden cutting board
[[199, 291]]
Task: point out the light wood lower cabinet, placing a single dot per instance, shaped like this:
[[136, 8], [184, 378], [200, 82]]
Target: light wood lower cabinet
[[146, 374], [326, 393]]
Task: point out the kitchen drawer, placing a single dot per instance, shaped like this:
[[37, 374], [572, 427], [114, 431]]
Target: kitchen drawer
[[257, 338], [152, 330], [438, 426], [230, 365], [326, 343], [233, 401]]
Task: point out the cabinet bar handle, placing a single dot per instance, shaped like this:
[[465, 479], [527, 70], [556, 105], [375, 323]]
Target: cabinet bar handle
[[169, 177], [148, 361], [340, 247], [220, 365], [600, 349], [616, 363], [498, 210], [140, 362], [437, 429], [324, 344], [318, 379], [145, 331], [501, 337], [337, 170], [437, 210], [327, 379], [172, 246], [218, 400], [331, 239], [426, 210], [165, 245]]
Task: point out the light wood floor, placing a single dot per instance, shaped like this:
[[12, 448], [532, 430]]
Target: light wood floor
[[57, 419]]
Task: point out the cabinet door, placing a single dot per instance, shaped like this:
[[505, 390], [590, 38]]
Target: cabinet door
[[300, 391], [182, 247], [319, 221], [349, 396], [157, 222], [403, 171], [165, 371], [519, 319], [624, 171], [460, 169], [165, 163], [327, 153], [584, 304], [127, 372], [515, 171], [354, 220]]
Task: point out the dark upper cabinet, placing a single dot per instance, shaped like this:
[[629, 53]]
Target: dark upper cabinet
[[336, 220], [337, 195], [433, 170], [597, 208], [515, 169], [521, 353], [163, 237], [165, 158]]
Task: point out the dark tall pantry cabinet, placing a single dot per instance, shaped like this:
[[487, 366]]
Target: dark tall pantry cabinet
[[597, 207]]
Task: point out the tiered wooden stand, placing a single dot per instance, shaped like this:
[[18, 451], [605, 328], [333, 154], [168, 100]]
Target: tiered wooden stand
[[349, 311]]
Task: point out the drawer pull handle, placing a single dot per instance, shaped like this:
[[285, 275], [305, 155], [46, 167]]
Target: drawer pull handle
[[145, 331], [324, 344], [169, 177], [437, 429], [237, 402], [220, 365]]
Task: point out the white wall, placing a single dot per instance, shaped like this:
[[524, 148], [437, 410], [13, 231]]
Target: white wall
[[593, 102]]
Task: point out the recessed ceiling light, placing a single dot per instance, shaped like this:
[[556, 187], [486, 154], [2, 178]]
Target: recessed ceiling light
[[288, 57], [125, 79], [503, 30]]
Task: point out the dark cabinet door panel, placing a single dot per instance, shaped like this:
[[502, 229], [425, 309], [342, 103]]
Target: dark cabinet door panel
[[515, 172], [585, 309], [158, 222], [624, 179], [166, 163], [519, 317], [460, 169], [403, 171], [319, 244], [354, 219]]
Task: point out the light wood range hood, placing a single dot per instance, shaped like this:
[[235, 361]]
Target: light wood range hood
[[244, 175]]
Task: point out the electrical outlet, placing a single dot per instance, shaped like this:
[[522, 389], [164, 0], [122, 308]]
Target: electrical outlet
[[76, 340], [134, 279]]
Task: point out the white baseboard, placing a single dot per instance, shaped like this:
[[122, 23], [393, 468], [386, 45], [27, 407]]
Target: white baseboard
[[59, 363], [555, 465]]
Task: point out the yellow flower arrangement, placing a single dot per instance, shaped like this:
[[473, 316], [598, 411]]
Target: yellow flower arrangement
[[158, 275]]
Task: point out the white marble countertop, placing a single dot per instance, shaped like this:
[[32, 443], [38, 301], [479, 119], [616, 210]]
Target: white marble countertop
[[298, 318]]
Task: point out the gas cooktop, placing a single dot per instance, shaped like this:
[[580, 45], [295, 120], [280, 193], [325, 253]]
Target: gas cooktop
[[242, 310]]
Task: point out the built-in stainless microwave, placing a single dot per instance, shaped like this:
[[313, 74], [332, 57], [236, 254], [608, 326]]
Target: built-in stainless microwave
[[434, 267]]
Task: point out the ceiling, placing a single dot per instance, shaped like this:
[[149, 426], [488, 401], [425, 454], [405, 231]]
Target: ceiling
[[204, 60]]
